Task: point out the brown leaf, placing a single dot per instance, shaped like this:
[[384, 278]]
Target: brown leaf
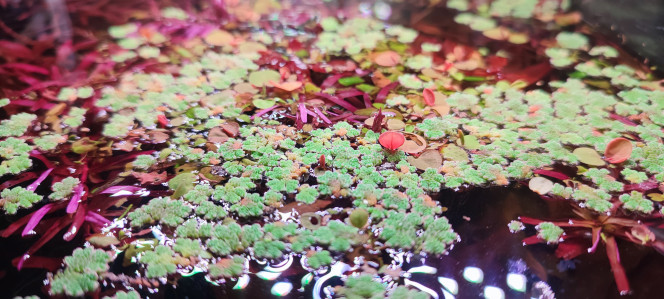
[[231, 128], [428, 159], [102, 240], [217, 135], [414, 143]]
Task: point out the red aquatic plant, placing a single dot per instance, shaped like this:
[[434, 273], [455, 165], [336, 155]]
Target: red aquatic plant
[[605, 228]]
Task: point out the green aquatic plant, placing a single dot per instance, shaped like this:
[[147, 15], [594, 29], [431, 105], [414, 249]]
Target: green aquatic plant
[[81, 272], [18, 197]]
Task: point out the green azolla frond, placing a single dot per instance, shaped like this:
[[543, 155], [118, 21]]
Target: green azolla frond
[[81, 273], [635, 201], [234, 190], [125, 295], [402, 292], [17, 124], [572, 40], [88, 260], [634, 176], [192, 228], [269, 249], [362, 287], [280, 230], [118, 126], [64, 188], [431, 180], [211, 211], [18, 197], [160, 262], [227, 268], [15, 154], [549, 232], [75, 117], [160, 210], [49, 141], [438, 236], [338, 235], [189, 247], [319, 259], [199, 194], [252, 205], [332, 181], [144, 161], [72, 283], [307, 194]]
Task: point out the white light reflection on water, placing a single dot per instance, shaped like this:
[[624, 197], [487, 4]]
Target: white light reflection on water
[[517, 282], [282, 266], [267, 275], [491, 292], [450, 285], [447, 295], [281, 288], [338, 269], [423, 269], [242, 282], [473, 274], [421, 287]]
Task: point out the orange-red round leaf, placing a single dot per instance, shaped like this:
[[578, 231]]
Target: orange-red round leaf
[[618, 150], [391, 140]]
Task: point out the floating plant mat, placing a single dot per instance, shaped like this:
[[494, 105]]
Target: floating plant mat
[[229, 144]]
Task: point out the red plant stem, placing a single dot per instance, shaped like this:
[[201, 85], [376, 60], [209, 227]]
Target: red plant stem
[[617, 268]]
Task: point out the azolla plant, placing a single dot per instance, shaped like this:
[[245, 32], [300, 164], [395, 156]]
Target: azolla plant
[[280, 134]]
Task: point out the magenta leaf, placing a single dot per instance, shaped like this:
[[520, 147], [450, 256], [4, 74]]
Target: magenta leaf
[[73, 203], [42, 177], [36, 217]]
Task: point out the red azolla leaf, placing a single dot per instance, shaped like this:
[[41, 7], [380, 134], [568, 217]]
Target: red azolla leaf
[[429, 97], [618, 150], [391, 140]]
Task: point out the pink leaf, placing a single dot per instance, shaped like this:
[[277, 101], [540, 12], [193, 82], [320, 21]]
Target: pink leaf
[[73, 203], [39, 180], [321, 115], [36, 217], [303, 112]]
